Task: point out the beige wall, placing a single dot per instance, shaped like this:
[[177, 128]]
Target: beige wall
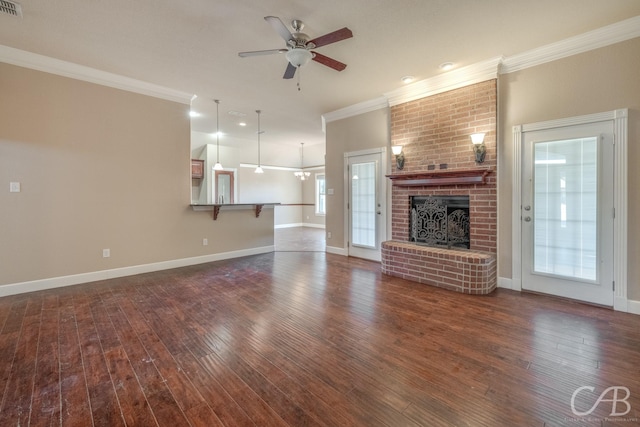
[[365, 131], [100, 168], [597, 81]]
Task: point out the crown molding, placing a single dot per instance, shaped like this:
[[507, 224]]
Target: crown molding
[[605, 36], [465, 76], [47, 64], [354, 110]]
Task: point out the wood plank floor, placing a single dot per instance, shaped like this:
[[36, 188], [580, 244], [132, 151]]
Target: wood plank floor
[[300, 239], [308, 339]]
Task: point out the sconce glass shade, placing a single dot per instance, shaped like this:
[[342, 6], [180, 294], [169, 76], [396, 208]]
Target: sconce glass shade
[[217, 167], [298, 56], [477, 138], [479, 149], [258, 170], [396, 149]]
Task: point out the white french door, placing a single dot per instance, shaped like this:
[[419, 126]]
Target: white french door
[[568, 211], [365, 210]]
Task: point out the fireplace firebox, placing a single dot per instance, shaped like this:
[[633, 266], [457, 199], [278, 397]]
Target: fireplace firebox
[[440, 221]]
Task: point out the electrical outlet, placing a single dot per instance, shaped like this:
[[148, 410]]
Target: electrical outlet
[[14, 187], [205, 242], [106, 253], [328, 234]]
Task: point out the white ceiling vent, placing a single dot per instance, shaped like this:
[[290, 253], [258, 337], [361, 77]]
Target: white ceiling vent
[[11, 8]]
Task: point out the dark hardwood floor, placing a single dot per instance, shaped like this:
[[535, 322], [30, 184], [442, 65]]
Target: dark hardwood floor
[[308, 339], [300, 239]]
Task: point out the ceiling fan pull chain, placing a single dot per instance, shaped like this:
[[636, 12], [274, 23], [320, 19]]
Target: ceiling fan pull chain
[[299, 72]]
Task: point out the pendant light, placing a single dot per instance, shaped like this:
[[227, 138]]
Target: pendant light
[[259, 168], [217, 166], [301, 174]]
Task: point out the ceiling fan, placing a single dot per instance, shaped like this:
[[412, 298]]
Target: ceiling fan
[[299, 47]]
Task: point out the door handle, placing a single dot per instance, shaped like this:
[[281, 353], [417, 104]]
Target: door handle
[[527, 208], [527, 218], [378, 212]]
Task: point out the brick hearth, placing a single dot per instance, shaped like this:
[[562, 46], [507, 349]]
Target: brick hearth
[[463, 271]]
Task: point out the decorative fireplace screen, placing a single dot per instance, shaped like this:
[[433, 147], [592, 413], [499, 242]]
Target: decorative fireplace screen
[[441, 221]]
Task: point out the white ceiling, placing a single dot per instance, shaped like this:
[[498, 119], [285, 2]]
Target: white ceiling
[[192, 46]]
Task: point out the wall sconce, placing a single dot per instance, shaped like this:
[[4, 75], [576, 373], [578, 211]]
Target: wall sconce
[[477, 139], [397, 151]]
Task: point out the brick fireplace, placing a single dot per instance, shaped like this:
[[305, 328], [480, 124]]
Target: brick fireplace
[[439, 162]]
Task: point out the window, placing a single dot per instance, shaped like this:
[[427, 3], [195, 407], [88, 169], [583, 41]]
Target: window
[[321, 197]]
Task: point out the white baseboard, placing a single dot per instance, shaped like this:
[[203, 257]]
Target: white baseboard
[[505, 282], [633, 306], [312, 225], [619, 304], [76, 279], [300, 224], [291, 225], [337, 251]]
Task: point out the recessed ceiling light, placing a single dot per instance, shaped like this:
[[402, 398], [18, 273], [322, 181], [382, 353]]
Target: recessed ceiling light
[[446, 66], [194, 114], [242, 124], [407, 79]]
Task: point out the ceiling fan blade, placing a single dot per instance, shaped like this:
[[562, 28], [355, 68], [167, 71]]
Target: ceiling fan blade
[[333, 37], [290, 71], [261, 52], [280, 28], [329, 62]]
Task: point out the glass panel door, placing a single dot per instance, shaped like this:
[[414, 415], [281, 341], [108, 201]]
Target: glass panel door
[[366, 215], [566, 199], [567, 212], [363, 204]]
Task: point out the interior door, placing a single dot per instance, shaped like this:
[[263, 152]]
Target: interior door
[[567, 212], [365, 209]]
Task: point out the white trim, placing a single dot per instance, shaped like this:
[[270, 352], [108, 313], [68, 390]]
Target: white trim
[[336, 251], [281, 168], [289, 225], [620, 197], [465, 76], [300, 224], [634, 307], [505, 283], [619, 118], [354, 110], [489, 69], [76, 279], [601, 37], [47, 64], [516, 206]]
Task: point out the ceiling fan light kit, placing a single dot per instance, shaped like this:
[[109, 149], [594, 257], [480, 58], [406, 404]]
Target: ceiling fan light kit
[[299, 48], [298, 57]]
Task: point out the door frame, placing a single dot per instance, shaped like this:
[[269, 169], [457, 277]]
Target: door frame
[[620, 183], [382, 185]]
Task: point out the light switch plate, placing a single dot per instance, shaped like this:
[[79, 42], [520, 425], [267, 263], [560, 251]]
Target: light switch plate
[[14, 187]]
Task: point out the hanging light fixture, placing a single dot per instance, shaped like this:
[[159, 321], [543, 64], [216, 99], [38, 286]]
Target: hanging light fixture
[[302, 174], [259, 168], [217, 166]]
